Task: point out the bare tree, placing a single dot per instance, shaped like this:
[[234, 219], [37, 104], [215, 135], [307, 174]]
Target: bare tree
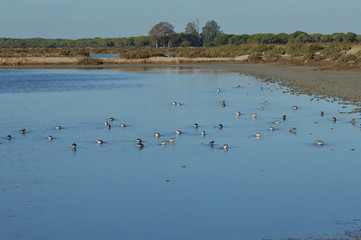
[[192, 29]]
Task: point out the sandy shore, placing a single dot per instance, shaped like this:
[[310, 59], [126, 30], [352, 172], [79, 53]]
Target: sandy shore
[[305, 80]]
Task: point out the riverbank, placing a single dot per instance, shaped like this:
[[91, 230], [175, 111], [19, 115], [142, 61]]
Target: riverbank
[[302, 79]]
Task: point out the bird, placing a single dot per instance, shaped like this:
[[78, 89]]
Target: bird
[[178, 132], [238, 113], [138, 140], [319, 142], [220, 126], [261, 108], [322, 113], [111, 119], [211, 143], [277, 122], [122, 125], [74, 146], [223, 104], [293, 130], [140, 145], [178, 104], [58, 127], [225, 147], [284, 117], [157, 134], [266, 102], [8, 137], [163, 143], [99, 141], [171, 140], [239, 86], [196, 125], [22, 131], [294, 107], [174, 103], [109, 126], [218, 90], [334, 119], [258, 135], [50, 138], [106, 123], [353, 121], [203, 133], [254, 115], [271, 129]]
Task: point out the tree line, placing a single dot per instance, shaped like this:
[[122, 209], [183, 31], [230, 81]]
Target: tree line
[[163, 35]]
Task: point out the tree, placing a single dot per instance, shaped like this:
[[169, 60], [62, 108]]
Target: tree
[[185, 43], [350, 37], [255, 38], [141, 41], [192, 29], [338, 37], [358, 38], [209, 32], [326, 38], [316, 37], [292, 37], [269, 38], [238, 39], [162, 34], [282, 38], [127, 42], [303, 38], [221, 39]]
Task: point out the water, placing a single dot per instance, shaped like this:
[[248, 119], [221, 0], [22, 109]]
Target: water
[[103, 55], [281, 185]]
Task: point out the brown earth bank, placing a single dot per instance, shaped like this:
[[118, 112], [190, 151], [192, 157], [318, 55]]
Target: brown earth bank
[[345, 85]]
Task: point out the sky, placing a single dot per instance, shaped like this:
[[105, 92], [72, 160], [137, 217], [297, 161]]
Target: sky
[[74, 19]]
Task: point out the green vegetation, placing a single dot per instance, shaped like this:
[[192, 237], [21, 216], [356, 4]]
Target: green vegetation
[[163, 35], [331, 51]]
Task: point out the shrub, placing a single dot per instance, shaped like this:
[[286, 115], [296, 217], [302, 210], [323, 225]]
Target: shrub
[[65, 53], [90, 61], [185, 44], [358, 54], [254, 57], [348, 58], [82, 52]]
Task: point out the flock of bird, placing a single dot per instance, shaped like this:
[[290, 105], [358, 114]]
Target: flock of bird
[[171, 140]]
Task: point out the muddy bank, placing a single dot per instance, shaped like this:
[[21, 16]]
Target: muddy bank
[[305, 80]]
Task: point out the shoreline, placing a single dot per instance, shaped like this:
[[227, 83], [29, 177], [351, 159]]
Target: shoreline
[[300, 79]]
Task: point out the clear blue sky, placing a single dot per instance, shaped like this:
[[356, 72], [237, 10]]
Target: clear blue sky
[[119, 18]]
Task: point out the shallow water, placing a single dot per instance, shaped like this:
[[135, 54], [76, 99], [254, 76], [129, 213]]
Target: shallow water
[[103, 55], [281, 185]]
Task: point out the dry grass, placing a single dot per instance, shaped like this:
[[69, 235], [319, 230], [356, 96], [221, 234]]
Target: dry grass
[[330, 56]]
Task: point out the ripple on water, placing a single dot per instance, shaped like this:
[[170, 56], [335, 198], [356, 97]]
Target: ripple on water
[[257, 187]]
